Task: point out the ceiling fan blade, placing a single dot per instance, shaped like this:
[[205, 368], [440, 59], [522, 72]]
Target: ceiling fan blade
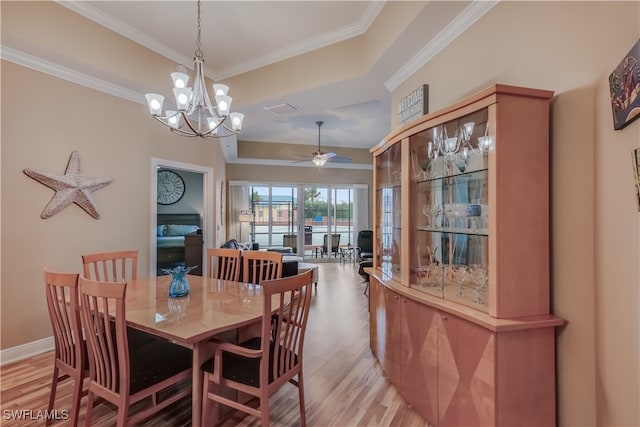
[[329, 155], [338, 159]]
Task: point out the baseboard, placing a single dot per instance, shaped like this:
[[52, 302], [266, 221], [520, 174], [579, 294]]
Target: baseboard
[[24, 351]]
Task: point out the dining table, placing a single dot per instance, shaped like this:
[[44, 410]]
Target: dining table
[[212, 308]]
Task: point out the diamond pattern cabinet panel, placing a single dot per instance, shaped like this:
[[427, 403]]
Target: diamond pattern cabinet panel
[[466, 376], [417, 378]]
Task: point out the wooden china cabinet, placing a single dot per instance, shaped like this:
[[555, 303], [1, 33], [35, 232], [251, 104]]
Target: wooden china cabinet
[[459, 290]]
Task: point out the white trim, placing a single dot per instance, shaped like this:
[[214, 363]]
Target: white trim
[[57, 70], [457, 26], [307, 45], [27, 350], [304, 164], [208, 196], [84, 9]]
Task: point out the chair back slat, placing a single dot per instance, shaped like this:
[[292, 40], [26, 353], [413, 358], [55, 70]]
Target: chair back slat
[[258, 266], [64, 311], [106, 340], [288, 325], [116, 266], [63, 305], [224, 263]]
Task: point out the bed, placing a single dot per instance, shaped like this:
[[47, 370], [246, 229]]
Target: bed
[[179, 241]]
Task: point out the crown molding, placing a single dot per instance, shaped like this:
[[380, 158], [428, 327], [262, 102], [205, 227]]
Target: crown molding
[[21, 58], [308, 45], [83, 8], [457, 26]]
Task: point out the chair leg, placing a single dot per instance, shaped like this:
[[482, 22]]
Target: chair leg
[[265, 416], [209, 413], [89, 412], [52, 395], [303, 412], [77, 395], [123, 414]]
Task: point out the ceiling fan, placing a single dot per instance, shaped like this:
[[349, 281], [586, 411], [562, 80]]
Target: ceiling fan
[[319, 158]]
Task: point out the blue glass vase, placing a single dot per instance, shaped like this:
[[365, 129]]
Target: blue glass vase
[[179, 286]]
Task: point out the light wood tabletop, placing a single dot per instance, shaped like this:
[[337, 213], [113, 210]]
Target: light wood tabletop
[[212, 307]]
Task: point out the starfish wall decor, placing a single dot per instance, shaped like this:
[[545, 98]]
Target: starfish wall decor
[[71, 187]]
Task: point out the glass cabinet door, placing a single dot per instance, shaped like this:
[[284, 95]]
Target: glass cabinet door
[[388, 189], [449, 185]]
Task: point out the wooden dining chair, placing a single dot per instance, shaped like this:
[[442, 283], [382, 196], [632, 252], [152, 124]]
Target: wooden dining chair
[[115, 266], [119, 374], [70, 360], [261, 265], [224, 264], [261, 365]]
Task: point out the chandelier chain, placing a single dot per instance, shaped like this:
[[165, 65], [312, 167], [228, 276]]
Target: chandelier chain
[[198, 45]]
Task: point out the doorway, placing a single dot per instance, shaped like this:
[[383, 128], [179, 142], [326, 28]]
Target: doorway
[[203, 199]]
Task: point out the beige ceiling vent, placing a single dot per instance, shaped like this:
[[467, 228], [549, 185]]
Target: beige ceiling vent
[[282, 108]]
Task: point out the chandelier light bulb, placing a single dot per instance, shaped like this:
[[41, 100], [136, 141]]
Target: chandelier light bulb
[[155, 103], [180, 80], [173, 118], [224, 104], [236, 121], [220, 89]]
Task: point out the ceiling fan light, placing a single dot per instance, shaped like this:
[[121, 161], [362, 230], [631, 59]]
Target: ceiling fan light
[[319, 160]]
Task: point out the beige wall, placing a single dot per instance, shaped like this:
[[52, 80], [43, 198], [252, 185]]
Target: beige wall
[[571, 47], [44, 119]]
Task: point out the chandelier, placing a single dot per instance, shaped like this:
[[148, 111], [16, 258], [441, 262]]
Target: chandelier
[[195, 115]]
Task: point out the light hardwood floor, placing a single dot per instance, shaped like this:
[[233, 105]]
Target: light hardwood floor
[[344, 384]]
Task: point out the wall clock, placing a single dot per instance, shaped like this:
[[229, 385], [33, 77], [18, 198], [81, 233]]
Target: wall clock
[[170, 187]]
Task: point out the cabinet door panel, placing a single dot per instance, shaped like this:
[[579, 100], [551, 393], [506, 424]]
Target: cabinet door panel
[[396, 331], [466, 355], [377, 319], [418, 382]]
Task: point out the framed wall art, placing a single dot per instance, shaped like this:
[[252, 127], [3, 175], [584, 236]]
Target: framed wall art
[[624, 87], [635, 159]]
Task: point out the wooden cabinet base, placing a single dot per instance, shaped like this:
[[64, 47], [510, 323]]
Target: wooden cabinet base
[[455, 372]]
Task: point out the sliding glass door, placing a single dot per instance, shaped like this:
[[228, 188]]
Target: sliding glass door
[[280, 221]]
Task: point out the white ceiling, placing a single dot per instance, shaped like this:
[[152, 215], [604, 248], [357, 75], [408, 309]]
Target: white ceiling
[[241, 36]]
